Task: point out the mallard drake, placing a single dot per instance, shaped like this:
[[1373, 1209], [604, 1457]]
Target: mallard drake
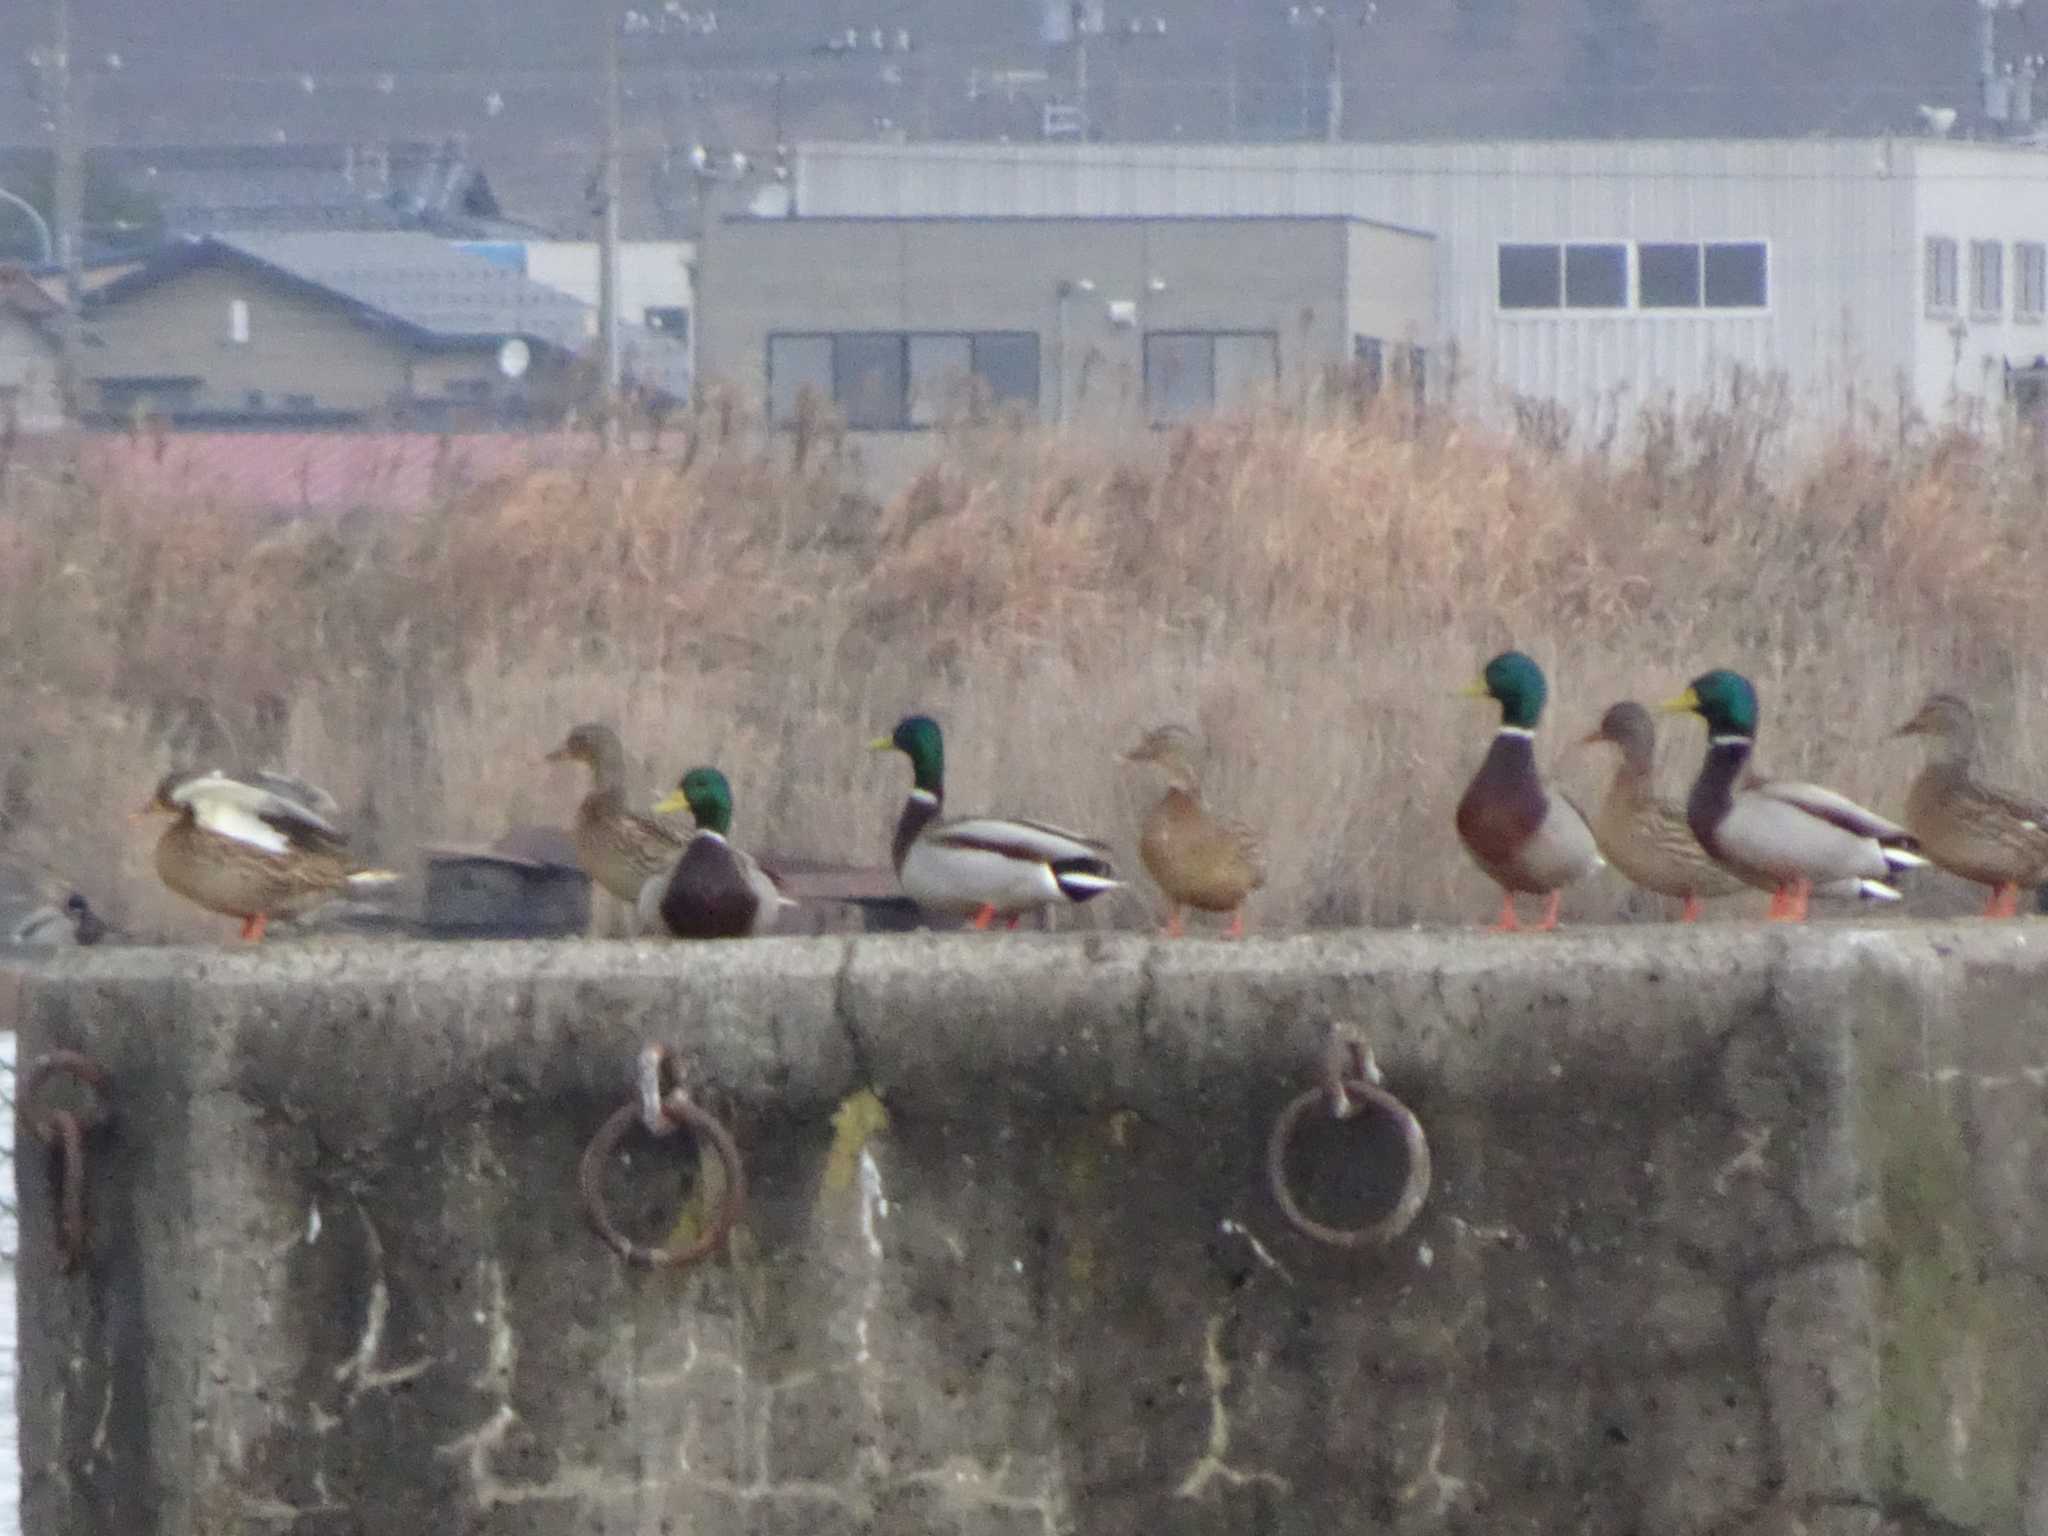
[[1642, 833], [986, 866], [1525, 837], [714, 890], [1965, 826], [1199, 859], [1781, 836], [245, 851], [618, 848]]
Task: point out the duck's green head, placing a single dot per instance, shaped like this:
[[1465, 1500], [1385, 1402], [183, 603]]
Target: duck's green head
[[917, 737], [707, 796], [1516, 683], [1724, 699]]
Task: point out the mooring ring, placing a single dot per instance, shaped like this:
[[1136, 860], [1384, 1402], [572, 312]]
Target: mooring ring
[[704, 1127], [65, 1130], [1361, 1093]]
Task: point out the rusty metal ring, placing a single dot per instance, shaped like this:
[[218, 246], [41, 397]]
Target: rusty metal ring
[[65, 1130], [702, 1125], [76, 1065], [1363, 1093]]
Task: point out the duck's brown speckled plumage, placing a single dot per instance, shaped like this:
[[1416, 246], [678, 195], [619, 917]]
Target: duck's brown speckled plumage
[[236, 877], [1967, 827], [618, 847], [1199, 858], [1644, 834]]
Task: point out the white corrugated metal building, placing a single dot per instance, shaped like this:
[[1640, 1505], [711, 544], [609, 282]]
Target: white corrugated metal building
[[1602, 275]]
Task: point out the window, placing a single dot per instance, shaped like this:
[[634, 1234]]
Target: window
[[1596, 277], [869, 380], [127, 393], [1531, 276], [238, 322], [797, 364], [2030, 280], [1737, 275], [1718, 274], [1987, 277], [1940, 264], [1189, 373], [1668, 276], [895, 380], [1369, 363], [1584, 276]]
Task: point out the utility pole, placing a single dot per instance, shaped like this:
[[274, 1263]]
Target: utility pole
[[1333, 96], [608, 232], [69, 201]]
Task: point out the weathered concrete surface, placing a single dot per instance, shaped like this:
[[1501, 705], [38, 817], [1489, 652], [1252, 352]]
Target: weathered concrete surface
[[1733, 1230]]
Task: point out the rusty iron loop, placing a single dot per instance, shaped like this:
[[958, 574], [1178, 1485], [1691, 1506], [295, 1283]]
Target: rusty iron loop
[[65, 1130], [1344, 1098], [677, 1111]]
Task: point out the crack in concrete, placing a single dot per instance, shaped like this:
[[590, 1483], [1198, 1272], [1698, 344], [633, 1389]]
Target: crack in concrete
[[360, 1372], [842, 1010], [1214, 1465], [1432, 1478]]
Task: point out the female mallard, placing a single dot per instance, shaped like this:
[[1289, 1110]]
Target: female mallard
[[245, 851], [1967, 827], [1780, 836], [985, 866], [619, 849], [1200, 859], [1523, 836], [714, 891], [1642, 833]]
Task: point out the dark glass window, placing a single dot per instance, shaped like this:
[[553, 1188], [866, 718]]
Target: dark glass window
[[1668, 276], [870, 380], [1738, 275], [1531, 277], [1596, 276]]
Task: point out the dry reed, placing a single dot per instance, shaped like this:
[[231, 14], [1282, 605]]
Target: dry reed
[[1307, 592]]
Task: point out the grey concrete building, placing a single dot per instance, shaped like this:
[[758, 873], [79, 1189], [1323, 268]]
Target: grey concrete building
[[898, 322]]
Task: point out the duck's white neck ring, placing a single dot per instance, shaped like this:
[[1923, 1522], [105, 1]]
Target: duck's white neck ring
[[1523, 731], [1731, 740], [924, 797]]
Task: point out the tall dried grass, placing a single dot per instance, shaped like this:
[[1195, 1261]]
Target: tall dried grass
[[1308, 592]]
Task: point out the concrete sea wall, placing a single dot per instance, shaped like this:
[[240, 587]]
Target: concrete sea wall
[[1730, 1230]]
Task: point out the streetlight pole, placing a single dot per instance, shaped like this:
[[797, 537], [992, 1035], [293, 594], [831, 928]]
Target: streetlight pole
[[608, 231], [69, 201]]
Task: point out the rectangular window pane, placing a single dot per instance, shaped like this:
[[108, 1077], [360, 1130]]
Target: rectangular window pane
[[1246, 369], [1987, 277], [1668, 276], [868, 381], [1737, 276], [1531, 277], [1180, 375], [939, 369], [1368, 358], [796, 363], [1941, 273], [2031, 258], [1007, 362], [1596, 276]]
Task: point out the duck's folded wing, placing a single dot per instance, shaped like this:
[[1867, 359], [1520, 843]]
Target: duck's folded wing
[[251, 814], [300, 792], [1017, 839], [1837, 810]]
